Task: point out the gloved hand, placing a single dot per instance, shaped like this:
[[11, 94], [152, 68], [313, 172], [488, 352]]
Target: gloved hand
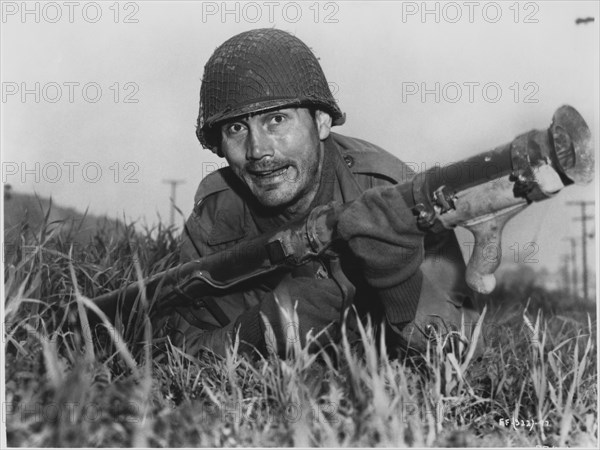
[[382, 233]]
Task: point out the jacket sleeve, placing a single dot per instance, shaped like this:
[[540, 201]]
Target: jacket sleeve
[[191, 240]]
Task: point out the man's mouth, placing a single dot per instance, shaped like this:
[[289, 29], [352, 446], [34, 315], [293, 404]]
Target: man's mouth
[[265, 174]]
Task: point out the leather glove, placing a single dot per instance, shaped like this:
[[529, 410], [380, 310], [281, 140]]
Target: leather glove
[[382, 233]]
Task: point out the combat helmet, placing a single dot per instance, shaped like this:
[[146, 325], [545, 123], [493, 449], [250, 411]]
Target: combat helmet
[[256, 71]]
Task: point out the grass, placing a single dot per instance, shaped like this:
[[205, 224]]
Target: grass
[[536, 383]]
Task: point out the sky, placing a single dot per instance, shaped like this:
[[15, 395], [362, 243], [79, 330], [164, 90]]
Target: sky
[[100, 99]]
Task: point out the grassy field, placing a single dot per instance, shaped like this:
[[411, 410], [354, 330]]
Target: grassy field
[[536, 384]]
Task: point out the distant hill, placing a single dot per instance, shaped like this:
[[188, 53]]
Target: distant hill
[[26, 213]]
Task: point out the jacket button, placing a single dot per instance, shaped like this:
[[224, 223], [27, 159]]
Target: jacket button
[[349, 160]]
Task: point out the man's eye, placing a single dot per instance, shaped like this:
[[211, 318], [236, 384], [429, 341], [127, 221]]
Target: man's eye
[[277, 119], [235, 128]]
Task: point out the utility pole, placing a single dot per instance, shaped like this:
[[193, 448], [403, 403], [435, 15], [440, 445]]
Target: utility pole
[[565, 273], [574, 265], [173, 184], [573, 260], [584, 218]]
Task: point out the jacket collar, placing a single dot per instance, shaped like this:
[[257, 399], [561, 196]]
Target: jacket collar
[[346, 187]]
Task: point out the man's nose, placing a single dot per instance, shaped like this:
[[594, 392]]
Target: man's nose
[[258, 145]]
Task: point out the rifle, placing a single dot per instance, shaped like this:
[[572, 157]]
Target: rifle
[[480, 193]]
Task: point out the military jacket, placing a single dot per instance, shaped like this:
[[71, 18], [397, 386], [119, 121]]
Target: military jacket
[[221, 218]]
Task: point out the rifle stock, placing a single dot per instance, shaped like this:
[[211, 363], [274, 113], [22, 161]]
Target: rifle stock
[[480, 193]]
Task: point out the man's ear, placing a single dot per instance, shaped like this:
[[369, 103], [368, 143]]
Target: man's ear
[[323, 121]]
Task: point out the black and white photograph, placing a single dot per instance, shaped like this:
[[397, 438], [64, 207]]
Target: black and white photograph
[[299, 224]]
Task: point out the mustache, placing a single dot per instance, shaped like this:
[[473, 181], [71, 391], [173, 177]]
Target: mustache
[[260, 166]]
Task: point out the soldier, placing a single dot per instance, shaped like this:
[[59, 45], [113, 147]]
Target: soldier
[[265, 106]]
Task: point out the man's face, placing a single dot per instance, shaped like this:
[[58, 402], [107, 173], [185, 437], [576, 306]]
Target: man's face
[[278, 154]]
